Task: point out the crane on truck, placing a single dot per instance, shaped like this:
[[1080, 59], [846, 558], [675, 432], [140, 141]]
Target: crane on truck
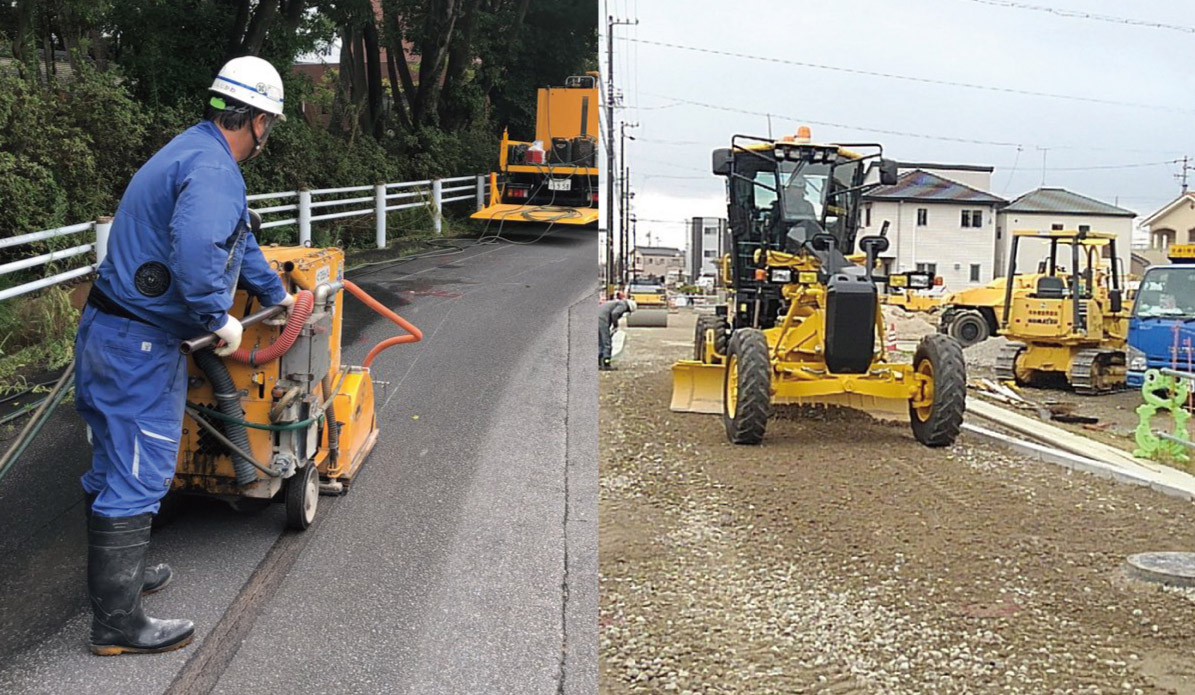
[[552, 179]]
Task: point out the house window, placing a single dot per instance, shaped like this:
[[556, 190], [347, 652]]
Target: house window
[[974, 272], [972, 218], [931, 268], [1056, 227], [709, 253], [867, 215], [922, 217]]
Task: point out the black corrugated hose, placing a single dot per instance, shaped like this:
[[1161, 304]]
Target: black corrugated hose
[[229, 401]]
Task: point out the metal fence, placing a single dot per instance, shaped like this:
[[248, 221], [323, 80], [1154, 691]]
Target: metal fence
[[310, 206]]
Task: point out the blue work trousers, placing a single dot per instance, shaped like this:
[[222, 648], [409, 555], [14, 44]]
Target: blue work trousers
[[130, 389]]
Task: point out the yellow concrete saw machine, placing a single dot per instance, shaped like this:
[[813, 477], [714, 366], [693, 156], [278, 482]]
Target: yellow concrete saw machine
[[803, 324], [282, 419]]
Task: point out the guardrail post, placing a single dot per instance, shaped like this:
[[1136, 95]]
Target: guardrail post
[[304, 217], [379, 212], [438, 206], [481, 191], [103, 226]]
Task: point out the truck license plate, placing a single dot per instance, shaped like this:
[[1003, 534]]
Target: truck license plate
[[560, 184]]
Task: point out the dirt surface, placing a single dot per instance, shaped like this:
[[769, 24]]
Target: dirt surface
[[842, 557]]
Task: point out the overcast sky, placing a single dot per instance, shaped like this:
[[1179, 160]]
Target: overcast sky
[[1149, 72]]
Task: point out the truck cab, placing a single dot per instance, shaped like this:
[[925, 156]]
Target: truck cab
[[1162, 324]]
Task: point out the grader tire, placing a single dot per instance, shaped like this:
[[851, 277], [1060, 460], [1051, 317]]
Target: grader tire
[[721, 330], [969, 327], [703, 323], [940, 358], [747, 399]]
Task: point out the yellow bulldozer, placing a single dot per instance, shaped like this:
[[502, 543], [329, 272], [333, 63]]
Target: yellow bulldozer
[[1071, 324], [552, 179], [803, 324]]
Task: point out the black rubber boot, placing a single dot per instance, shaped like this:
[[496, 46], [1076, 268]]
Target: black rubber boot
[[115, 571], [606, 366], [156, 576]]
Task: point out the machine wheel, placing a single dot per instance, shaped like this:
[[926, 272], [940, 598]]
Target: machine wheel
[[747, 389], [721, 330], [302, 497], [937, 421], [969, 327]]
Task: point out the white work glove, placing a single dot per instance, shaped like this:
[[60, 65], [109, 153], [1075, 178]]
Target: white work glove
[[230, 333], [280, 320]]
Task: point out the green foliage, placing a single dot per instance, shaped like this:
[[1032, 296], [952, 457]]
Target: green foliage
[[37, 333]]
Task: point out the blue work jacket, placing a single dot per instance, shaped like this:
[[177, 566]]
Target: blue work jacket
[[180, 241]]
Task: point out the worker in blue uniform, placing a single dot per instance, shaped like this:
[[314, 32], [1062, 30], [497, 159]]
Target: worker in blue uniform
[[179, 246]]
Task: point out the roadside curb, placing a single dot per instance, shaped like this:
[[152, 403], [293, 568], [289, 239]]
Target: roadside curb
[[1046, 454]]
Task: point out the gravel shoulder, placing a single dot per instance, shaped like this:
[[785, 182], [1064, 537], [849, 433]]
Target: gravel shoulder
[[841, 556]]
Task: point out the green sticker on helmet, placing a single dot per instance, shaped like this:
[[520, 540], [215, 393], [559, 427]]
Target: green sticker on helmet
[[218, 103]]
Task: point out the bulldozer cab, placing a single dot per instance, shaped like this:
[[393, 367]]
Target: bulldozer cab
[[793, 196], [1074, 292]]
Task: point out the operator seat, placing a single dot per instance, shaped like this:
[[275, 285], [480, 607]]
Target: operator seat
[[1050, 287]]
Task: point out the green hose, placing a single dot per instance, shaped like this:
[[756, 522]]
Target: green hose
[[39, 420], [271, 428]]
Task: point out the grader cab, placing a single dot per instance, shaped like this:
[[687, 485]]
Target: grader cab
[[803, 324]]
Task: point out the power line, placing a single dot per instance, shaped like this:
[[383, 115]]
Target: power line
[[1078, 14], [907, 78], [808, 121]]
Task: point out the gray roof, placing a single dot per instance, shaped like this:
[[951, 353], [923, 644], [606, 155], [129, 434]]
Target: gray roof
[[1059, 201], [922, 185], [658, 251]]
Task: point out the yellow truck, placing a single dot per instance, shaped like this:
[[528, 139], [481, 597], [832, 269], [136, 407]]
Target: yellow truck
[[552, 179]]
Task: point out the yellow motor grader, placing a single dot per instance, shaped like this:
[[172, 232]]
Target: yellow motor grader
[[803, 324]]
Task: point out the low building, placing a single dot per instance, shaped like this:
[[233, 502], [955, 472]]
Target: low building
[[1057, 208], [709, 240], [937, 223], [658, 263], [1173, 223]]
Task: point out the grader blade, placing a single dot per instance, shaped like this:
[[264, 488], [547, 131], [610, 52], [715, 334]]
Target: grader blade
[[697, 387]]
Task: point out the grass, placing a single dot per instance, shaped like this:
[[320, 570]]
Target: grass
[[36, 334]]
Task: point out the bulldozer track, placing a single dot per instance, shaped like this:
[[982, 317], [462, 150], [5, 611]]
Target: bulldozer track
[[1083, 372], [1006, 360]]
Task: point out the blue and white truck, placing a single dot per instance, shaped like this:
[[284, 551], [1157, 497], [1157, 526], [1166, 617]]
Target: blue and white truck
[[1162, 324]]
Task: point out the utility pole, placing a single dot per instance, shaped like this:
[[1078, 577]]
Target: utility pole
[[1183, 176], [611, 22], [625, 197]]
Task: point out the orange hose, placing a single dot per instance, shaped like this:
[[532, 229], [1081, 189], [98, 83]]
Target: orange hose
[[415, 335]]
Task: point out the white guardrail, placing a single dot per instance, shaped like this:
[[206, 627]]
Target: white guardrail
[[384, 197]]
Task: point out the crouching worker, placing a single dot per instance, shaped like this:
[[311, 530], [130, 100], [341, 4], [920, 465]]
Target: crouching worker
[[179, 245], [609, 315]]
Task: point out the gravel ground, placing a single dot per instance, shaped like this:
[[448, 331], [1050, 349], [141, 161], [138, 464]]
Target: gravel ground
[[842, 557]]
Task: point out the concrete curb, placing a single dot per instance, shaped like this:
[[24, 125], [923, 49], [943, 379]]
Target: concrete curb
[[1045, 454]]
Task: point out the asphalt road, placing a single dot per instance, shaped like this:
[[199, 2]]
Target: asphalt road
[[464, 560]]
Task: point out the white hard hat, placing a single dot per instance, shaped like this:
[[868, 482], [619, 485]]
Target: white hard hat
[[632, 305], [253, 81]]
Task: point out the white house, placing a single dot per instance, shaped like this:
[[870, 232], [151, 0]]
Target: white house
[[937, 222], [709, 239], [1173, 223], [1058, 208]]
